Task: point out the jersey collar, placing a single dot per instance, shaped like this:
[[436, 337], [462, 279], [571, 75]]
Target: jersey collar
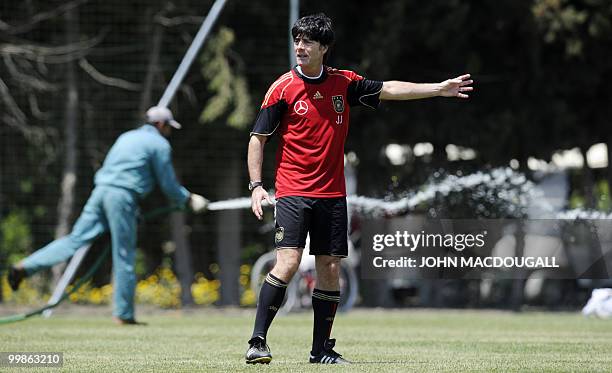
[[306, 79]]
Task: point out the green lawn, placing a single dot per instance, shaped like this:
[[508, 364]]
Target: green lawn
[[376, 340]]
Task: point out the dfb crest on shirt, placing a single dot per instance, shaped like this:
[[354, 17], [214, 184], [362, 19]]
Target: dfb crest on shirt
[[338, 104], [279, 235]]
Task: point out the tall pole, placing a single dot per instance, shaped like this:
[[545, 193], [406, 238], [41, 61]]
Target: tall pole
[[294, 13], [191, 53]]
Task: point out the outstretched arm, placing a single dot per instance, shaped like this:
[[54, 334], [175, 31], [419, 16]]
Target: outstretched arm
[[396, 90], [166, 177]]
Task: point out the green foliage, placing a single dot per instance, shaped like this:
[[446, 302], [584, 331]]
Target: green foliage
[[251, 252], [26, 186], [576, 200], [601, 194], [561, 21], [140, 266], [602, 191], [227, 83], [15, 236]]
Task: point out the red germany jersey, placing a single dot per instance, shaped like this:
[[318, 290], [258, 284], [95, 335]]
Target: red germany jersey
[[311, 117]]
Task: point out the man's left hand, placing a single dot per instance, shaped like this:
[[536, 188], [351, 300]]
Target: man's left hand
[[456, 87]]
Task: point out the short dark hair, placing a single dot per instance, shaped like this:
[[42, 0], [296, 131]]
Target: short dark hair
[[316, 27]]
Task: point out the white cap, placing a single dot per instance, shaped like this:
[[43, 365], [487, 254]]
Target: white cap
[[162, 114]]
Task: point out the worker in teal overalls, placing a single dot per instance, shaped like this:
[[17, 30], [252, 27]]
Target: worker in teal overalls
[[138, 159]]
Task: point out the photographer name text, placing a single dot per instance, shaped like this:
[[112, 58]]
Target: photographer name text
[[465, 262]]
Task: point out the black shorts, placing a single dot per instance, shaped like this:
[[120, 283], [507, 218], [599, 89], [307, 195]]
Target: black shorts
[[324, 218]]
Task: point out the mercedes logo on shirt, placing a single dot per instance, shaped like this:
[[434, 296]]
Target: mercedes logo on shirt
[[300, 107]]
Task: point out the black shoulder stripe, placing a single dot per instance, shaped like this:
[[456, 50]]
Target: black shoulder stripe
[[364, 92], [268, 119]]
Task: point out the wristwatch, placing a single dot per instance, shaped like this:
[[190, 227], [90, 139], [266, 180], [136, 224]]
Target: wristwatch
[[254, 184]]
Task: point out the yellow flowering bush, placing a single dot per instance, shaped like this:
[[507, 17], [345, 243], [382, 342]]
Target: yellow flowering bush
[[162, 289], [248, 296], [205, 291], [87, 294], [27, 294]]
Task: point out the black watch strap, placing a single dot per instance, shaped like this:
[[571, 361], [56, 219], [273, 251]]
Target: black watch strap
[[254, 184]]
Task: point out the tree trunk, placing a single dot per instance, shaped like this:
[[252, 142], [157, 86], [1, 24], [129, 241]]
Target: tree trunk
[[182, 256], [588, 182], [228, 237], [609, 146], [65, 205], [152, 67], [2, 259]]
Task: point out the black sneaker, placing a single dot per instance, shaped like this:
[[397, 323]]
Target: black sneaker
[[328, 355], [15, 276], [258, 352]]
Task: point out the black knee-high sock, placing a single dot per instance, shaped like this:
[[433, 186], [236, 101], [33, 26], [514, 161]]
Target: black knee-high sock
[[271, 297], [324, 304]]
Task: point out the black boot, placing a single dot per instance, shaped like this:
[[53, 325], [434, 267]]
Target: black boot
[[15, 276]]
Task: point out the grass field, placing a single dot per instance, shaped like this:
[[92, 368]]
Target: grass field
[[376, 340]]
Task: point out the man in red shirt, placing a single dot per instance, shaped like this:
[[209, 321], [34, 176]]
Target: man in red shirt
[[309, 108]]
